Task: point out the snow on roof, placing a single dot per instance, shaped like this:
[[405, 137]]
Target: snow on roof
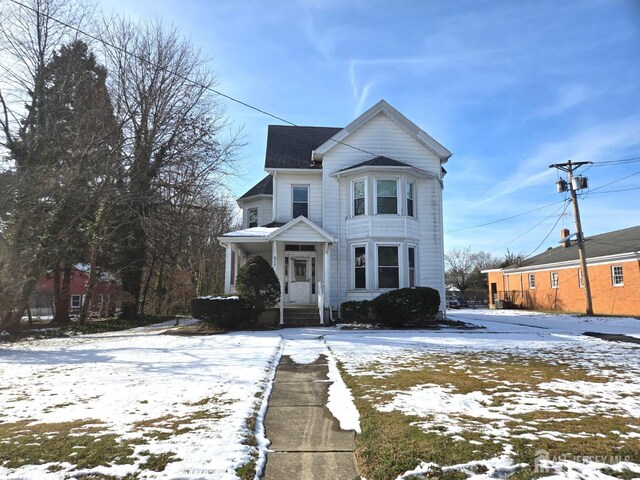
[[252, 232]]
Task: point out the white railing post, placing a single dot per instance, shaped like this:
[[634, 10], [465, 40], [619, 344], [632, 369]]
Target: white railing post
[[321, 302]]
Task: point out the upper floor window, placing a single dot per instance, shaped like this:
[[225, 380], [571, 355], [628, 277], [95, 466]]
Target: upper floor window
[[532, 280], [253, 217], [387, 196], [300, 195], [359, 207], [410, 195], [616, 276], [554, 280], [388, 267]]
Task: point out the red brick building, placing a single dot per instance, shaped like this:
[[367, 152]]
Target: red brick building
[[553, 280], [104, 299]]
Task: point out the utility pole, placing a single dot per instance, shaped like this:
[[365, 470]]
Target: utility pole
[[569, 167]]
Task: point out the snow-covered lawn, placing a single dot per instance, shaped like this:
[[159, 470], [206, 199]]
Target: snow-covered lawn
[[135, 398], [529, 389]]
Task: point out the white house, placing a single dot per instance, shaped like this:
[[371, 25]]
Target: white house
[[345, 213]]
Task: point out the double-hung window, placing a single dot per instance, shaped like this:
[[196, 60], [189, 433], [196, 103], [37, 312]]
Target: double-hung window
[[554, 280], [76, 301], [387, 197], [532, 280], [253, 217], [388, 267], [300, 195], [359, 198], [410, 196], [360, 266], [411, 264], [616, 276]]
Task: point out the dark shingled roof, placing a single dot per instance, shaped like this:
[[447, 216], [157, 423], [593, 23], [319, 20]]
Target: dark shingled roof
[[291, 147], [612, 243], [263, 187], [378, 162]]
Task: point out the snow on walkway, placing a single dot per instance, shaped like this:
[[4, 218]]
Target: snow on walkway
[[138, 377]]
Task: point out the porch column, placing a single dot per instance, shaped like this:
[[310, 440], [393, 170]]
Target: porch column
[[326, 277], [227, 269], [274, 254], [236, 263]]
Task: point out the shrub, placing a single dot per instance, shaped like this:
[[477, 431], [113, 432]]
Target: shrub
[[407, 306], [258, 285], [357, 312], [220, 312]]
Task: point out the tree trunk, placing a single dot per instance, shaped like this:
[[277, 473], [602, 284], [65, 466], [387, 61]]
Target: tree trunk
[[61, 316], [90, 286]]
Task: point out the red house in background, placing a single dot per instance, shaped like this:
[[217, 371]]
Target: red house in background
[[104, 299]]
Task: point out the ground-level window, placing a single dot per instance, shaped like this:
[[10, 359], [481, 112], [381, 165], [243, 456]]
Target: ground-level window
[[532, 280], [100, 299], [253, 217], [411, 264], [359, 198], [360, 266], [410, 194], [388, 267], [616, 276], [76, 301], [387, 196], [554, 279], [580, 279], [300, 204]]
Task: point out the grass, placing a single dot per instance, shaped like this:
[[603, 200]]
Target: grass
[[392, 442]]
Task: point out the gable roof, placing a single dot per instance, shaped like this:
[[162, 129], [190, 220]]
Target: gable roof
[[263, 187], [291, 147], [606, 244], [399, 119], [302, 224]]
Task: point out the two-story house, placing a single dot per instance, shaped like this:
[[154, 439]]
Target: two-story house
[[345, 213]]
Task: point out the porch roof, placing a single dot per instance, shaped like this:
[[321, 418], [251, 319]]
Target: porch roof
[[299, 229]]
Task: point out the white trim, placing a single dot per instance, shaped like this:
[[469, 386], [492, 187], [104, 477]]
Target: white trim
[[416, 263], [249, 210], [293, 170], [532, 285], [618, 258], [301, 185], [398, 245], [352, 193], [398, 194], [556, 276], [396, 117], [613, 276], [352, 266], [326, 236], [406, 198], [71, 305]]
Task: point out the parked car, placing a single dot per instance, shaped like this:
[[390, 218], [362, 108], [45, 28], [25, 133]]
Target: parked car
[[452, 302]]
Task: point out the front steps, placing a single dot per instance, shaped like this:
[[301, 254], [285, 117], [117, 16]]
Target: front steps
[[303, 316]]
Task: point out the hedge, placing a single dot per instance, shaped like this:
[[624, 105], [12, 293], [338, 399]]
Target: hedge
[[221, 312], [396, 308]]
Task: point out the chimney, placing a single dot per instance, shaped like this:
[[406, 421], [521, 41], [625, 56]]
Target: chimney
[[565, 238]]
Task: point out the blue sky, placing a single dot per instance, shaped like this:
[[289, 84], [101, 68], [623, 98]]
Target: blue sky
[[509, 87]]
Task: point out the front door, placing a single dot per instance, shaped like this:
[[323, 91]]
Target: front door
[[300, 280]]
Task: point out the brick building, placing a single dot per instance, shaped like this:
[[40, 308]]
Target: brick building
[[553, 280]]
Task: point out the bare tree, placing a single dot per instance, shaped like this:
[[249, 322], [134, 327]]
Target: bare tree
[[173, 128]]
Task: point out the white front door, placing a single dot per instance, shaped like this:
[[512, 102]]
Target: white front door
[[299, 280]]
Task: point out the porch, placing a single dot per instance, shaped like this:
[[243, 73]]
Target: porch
[[299, 254]]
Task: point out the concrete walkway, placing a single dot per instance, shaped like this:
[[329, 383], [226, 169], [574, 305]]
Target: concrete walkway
[[306, 439]]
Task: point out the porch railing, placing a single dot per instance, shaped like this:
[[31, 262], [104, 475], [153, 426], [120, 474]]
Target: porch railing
[[321, 301]]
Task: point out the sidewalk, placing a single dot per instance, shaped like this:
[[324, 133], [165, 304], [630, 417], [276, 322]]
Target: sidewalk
[[306, 440]]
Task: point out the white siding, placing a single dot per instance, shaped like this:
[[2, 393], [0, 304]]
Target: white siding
[[381, 136], [265, 210], [283, 183]]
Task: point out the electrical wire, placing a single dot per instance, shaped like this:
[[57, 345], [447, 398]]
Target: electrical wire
[[505, 219], [624, 161], [616, 191], [184, 77], [550, 231], [615, 181]]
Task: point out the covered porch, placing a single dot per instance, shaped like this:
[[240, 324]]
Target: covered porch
[[299, 254]]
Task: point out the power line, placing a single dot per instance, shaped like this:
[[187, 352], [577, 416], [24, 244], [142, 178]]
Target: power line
[[624, 161], [615, 191], [550, 231], [184, 77], [503, 219], [615, 181]]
